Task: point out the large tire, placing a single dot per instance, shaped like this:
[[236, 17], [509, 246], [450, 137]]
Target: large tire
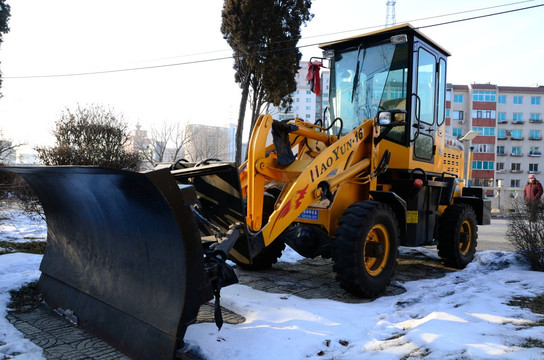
[[366, 247], [457, 235], [270, 254]]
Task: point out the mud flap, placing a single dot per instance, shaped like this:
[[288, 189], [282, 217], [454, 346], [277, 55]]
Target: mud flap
[[123, 253]]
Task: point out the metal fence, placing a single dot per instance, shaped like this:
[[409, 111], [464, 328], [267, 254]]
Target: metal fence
[[502, 198]]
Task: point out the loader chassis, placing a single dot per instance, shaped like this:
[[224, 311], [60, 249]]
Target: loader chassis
[[378, 171]]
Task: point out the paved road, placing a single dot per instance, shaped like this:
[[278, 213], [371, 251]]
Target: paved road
[[493, 237]]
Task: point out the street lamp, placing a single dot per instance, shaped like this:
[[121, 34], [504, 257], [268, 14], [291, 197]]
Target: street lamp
[[467, 140]]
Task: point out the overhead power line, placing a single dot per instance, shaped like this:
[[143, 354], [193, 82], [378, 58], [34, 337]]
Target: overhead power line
[[302, 46]]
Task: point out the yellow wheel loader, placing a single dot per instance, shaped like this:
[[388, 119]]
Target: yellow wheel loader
[[135, 255]]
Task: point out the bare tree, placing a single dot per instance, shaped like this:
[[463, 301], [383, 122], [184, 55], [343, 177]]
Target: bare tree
[[162, 144], [90, 136], [7, 147]]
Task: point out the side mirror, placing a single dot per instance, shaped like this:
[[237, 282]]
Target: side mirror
[[391, 117]]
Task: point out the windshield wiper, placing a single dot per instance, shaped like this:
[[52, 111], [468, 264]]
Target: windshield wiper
[[356, 77]]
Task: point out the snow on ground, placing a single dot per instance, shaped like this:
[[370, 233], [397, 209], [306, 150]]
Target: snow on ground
[[16, 270], [15, 226], [460, 316]]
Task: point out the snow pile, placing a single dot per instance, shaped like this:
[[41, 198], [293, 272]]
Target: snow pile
[[16, 270]]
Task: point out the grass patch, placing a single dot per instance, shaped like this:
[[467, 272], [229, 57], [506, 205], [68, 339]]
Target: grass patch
[[31, 247], [25, 299], [532, 343], [535, 304]]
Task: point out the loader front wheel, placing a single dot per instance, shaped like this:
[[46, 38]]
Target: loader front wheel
[[366, 248], [457, 235]]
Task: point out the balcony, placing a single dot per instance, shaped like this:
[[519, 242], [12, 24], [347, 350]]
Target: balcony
[[535, 153]]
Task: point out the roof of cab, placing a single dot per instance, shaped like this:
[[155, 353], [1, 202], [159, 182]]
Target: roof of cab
[[382, 33]]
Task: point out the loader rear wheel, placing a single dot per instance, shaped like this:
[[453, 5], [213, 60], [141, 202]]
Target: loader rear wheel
[[270, 254], [366, 248], [457, 235]]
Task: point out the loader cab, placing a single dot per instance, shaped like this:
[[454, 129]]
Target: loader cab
[[396, 76]]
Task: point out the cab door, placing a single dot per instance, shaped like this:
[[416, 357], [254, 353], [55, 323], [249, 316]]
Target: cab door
[[424, 126]]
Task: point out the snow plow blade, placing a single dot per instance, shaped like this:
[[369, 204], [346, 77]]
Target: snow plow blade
[[124, 254]]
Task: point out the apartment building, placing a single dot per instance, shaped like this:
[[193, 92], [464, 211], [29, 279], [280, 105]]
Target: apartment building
[[509, 123], [306, 104]]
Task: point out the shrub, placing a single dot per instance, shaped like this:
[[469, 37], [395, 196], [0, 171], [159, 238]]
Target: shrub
[[526, 233]]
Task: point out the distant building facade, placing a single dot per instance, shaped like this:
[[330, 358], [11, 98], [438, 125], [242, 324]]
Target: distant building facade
[[209, 142], [306, 105], [509, 121]]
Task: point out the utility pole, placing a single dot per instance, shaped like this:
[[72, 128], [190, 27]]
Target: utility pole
[[390, 18]]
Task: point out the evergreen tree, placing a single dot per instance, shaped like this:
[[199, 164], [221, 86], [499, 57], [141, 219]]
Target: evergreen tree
[[4, 17], [263, 35]]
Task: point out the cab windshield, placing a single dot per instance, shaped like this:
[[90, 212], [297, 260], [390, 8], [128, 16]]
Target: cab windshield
[[365, 80]]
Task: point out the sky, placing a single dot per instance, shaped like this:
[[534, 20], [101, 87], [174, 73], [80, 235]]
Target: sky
[[463, 315], [185, 71]]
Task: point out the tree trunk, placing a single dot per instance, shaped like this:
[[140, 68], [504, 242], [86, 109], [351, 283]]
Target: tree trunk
[[240, 127]]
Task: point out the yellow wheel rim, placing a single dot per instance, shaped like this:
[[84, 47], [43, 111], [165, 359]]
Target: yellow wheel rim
[[378, 237], [466, 230]]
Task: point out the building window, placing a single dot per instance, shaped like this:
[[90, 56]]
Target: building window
[[308, 108], [517, 118], [500, 166], [482, 165], [533, 168], [308, 116], [457, 115], [457, 132], [484, 95], [448, 95], [535, 117], [502, 99], [502, 117], [483, 114], [517, 135], [500, 150], [514, 183], [501, 134], [482, 148], [534, 135], [535, 151], [308, 92], [535, 100], [458, 98], [486, 131], [308, 100], [518, 100], [516, 167], [516, 150]]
